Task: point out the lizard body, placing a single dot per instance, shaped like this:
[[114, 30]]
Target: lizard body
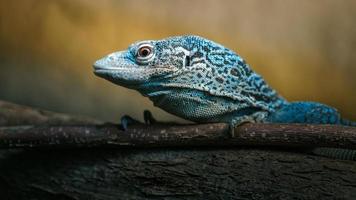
[[202, 81]]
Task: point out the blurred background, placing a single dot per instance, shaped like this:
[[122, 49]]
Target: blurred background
[[305, 49]]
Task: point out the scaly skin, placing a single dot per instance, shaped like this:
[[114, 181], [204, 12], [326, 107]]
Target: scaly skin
[[202, 81]]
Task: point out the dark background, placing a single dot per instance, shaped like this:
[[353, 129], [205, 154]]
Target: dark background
[[305, 49]]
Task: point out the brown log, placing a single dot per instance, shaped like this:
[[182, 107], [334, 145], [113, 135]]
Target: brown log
[[173, 173]]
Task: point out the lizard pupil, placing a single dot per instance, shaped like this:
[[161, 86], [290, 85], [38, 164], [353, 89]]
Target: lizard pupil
[[144, 51]]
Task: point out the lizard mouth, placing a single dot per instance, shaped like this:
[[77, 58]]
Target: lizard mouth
[[132, 75], [98, 67], [102, 71], [131, 70]]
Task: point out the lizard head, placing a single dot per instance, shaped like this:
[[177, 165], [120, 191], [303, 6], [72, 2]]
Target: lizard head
[[145, 61]]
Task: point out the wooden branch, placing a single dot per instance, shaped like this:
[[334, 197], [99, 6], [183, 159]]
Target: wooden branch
[[178, 135], [22, 126]]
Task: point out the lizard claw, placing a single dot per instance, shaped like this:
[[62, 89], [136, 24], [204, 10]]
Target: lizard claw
[[148, 117], [127, 120], [232, 129]]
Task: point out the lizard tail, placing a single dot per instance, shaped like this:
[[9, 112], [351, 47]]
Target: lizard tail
[[337, 153], [346, 122]]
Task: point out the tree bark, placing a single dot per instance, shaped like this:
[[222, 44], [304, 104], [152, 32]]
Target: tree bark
[[168, 171], [171, 173], [163, 135]]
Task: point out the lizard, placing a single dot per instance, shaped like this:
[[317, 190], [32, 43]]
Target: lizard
[[202, 81]]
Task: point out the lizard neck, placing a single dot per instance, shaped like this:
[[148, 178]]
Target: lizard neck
[[201, 106]]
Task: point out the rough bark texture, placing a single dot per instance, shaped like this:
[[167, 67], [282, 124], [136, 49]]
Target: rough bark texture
[[214, 172], [162, 135], [174, 174]]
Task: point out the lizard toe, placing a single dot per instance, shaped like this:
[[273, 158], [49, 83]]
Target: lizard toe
[[126, 121]]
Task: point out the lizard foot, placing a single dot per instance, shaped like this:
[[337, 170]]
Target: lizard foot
[[148, 118], [233, 124]]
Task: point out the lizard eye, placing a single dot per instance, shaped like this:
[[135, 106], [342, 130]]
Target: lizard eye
[[144, 53]]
